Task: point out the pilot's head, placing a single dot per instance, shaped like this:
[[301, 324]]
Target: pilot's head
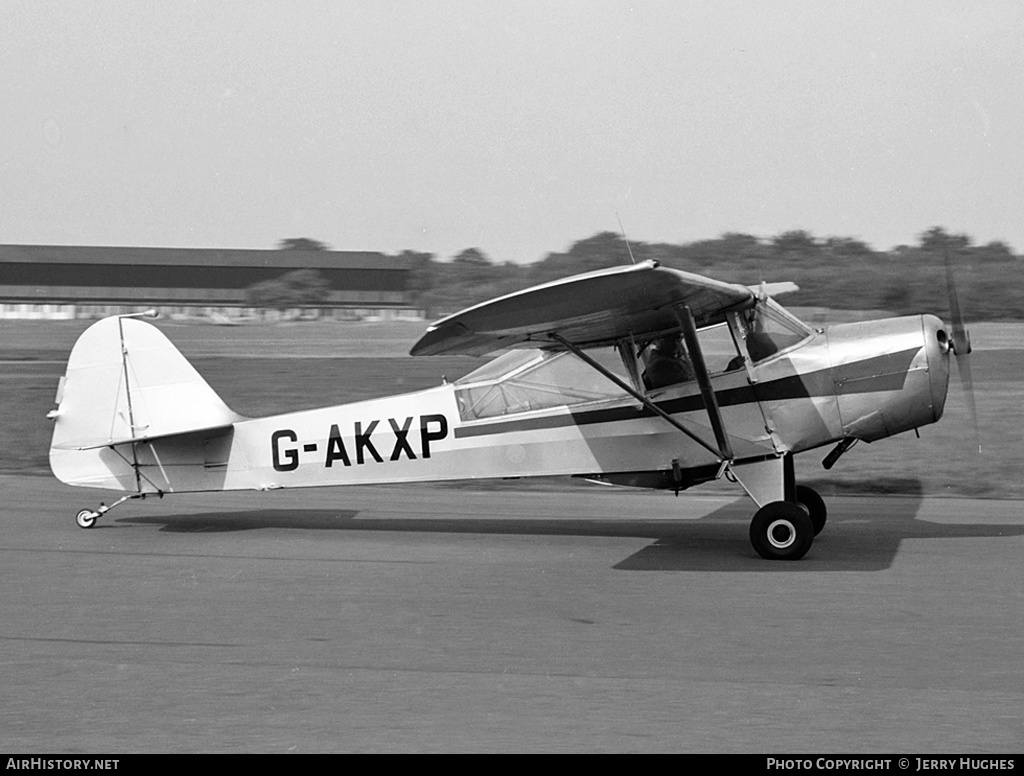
[[667, 346]]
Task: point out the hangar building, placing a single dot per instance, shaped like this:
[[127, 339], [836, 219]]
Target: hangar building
[[38, 281]]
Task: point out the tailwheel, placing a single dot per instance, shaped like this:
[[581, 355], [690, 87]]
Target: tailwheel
[[814, 505], [781, 531], [86, 518]]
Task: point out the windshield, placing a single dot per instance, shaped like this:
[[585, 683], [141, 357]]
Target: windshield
[[767, 328], [526, 380]]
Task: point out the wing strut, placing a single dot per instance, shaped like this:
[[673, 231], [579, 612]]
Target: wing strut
[[704, 381], [722, 457]]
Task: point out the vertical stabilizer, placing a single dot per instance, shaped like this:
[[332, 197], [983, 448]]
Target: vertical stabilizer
[[126, 383]]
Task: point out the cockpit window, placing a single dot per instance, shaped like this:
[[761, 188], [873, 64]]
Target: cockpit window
[[767, 328], [522, 381]]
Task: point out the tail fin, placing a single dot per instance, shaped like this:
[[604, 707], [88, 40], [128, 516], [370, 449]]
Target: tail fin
[[125, 383]]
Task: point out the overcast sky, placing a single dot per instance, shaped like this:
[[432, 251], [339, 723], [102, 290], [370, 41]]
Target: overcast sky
[[514, 127]]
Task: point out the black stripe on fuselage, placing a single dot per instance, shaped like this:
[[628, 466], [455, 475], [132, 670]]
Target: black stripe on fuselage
[[863, 376]]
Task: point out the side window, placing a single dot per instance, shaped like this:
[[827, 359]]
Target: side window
[[719, 349], [514, 384], [666, 361]]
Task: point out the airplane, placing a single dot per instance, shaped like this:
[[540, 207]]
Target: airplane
[[568, 393]]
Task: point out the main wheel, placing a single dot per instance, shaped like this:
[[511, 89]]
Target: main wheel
[[86, 518], [809, 499], [781, 531]]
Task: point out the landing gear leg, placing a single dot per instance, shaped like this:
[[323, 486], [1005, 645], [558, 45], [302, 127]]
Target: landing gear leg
[[789, 515]]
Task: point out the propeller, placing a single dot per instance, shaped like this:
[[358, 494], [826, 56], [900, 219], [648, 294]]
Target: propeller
[[962, 349]]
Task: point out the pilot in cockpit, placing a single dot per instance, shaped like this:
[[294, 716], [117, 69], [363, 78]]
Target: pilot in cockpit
[[759, 342], [667, 363]]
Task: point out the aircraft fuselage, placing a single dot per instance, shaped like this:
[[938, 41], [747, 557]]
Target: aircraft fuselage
[[865, 381]]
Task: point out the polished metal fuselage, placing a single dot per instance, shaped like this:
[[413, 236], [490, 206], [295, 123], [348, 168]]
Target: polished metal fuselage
[[864, 381]]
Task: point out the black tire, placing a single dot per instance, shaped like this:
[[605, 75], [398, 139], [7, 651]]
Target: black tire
[[814, 505], [781, 531]]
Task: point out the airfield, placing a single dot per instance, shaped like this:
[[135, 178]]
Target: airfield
[[507, 616]]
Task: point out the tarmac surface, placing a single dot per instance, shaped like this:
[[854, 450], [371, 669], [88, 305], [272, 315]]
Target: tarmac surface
[[443, 619]]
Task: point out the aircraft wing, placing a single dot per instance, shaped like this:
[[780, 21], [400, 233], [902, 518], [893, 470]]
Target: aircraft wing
[[591, 309]]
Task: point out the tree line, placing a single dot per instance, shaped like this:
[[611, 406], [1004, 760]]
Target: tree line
[[835, 272]]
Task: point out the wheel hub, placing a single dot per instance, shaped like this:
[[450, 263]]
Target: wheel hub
[[781, 534]]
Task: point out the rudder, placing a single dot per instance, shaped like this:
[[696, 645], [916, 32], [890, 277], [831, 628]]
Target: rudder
[[125, 382]]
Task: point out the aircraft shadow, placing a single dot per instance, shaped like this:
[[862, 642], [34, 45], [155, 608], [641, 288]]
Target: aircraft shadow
[[230, 522], [862, 541], [720, 542]]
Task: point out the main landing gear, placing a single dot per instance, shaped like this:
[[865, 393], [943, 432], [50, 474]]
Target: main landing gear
[[809, 500], [790, 515], [781, 531]]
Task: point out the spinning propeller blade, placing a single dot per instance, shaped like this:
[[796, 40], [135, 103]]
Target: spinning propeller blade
[[961, 338], [962, 349]]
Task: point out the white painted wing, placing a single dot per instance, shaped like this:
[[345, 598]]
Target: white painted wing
[[587, 310]]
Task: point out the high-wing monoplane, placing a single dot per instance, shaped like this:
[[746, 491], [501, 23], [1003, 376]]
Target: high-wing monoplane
[[578, 388]]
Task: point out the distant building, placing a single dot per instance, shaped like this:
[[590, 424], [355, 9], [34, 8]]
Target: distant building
[[38, 281]]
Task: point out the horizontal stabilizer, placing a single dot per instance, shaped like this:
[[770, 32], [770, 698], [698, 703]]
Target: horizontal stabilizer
[[97, 443]]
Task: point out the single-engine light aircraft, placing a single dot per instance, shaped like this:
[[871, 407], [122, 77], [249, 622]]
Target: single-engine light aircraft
[[639, 375]]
